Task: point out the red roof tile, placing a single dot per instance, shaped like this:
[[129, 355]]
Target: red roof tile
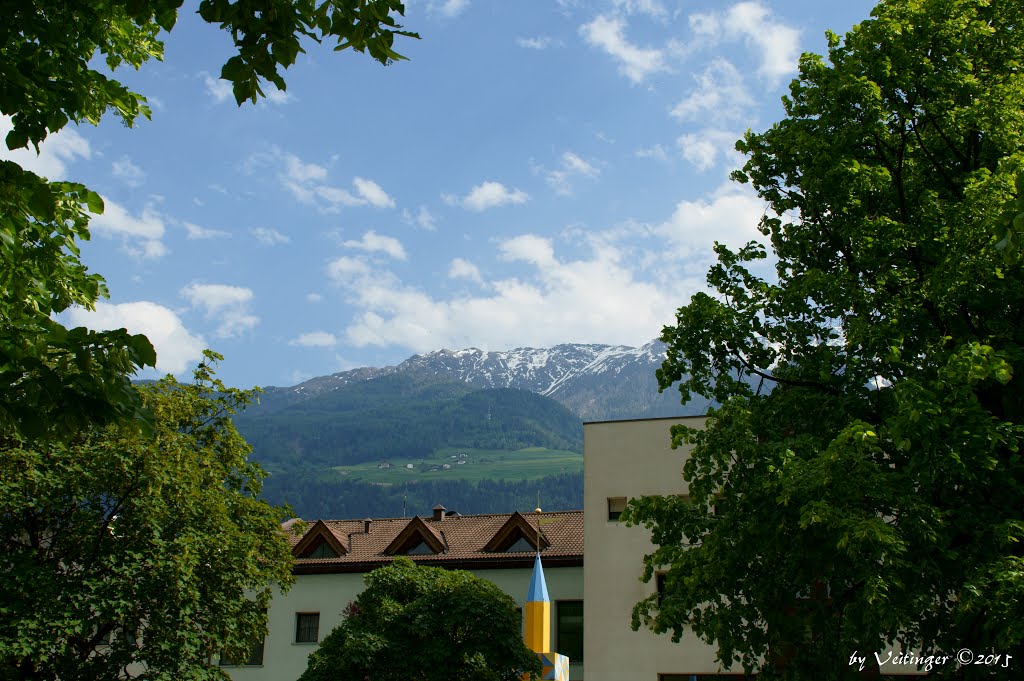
[[463, 536]]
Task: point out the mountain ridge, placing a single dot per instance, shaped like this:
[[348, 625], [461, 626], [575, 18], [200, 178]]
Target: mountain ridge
[[595, 381]]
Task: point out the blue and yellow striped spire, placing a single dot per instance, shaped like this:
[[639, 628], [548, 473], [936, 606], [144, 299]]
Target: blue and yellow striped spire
[[538, 621], [538, 611]]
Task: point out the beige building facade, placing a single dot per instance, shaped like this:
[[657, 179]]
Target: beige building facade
[[332, 557], [623, 460]]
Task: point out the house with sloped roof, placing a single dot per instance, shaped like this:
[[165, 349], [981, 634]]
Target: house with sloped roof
[[331, 557]]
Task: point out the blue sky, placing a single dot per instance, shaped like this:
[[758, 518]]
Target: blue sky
[[540, 172]]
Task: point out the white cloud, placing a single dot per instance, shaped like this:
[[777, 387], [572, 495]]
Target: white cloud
[[297, 170], [706, 148], [176, 347], [308, 183], [334, 196], [315, 339], [228, 305], [345, 270], [617, 286], [560, 179], [195, 232], [452, 8], [651, 8], [720, 92], [779, 44], [422, 219], [269, 237], [636, 63], [372, 193], [529, 248], [708, 25], [656, 152], [376, 243], [541, 42], [752, 22], [128, 172], [275, 96], [219, 89], [141, 235], [730, 216], [314, 297], [55, 153], [463, 269], [593, 299], [488, 195]]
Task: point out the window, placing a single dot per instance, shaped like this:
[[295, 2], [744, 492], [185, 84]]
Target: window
[[616, 505], [255, 658], [520, 546], [322, 550], [420, 548], [106, 637], [569, 630], [307, 627], [660, 579]]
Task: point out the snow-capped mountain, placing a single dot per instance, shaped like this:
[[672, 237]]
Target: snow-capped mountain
[[597, 382]]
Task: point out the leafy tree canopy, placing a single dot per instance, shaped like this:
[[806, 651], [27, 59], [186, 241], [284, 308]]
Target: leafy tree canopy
[[426, 624], [123, 556], [870, 493], [53, 380]]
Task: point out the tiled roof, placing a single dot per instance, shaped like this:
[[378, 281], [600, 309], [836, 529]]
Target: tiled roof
[[464, 538]]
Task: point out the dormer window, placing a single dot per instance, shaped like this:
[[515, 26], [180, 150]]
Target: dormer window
[[320, 542], [416, 539], [419, 549], [322, 550], [520, 545], [517, 535]]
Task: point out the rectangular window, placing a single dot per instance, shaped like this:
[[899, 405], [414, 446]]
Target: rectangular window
[[307, 627], [659, 579], [255, 658], [616, 505], [569, 630]]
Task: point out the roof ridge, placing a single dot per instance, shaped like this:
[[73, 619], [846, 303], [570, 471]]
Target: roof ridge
[[447, 518]]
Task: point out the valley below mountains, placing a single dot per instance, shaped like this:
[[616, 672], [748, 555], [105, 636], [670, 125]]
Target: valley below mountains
[[476, 431]]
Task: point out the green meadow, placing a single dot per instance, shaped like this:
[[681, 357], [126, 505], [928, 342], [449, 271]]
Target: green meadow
[[495, 464]]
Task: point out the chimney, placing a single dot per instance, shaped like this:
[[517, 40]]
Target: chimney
[[366, 525], [439, 512]]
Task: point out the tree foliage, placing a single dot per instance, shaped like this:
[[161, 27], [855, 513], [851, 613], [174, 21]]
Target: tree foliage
[[321, 494], [125, 556], [866, 491], [53, 380], [425, 624]]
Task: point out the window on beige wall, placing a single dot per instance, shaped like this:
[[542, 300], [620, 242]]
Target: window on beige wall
[[616, 505], [307, 627], [254, 659]]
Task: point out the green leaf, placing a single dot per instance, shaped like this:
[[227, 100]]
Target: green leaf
[[94, 202]]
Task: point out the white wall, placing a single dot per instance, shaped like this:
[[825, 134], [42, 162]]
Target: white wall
[[285, 660]]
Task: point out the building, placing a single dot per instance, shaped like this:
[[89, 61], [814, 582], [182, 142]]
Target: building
[[333, 555], [622, 460]]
